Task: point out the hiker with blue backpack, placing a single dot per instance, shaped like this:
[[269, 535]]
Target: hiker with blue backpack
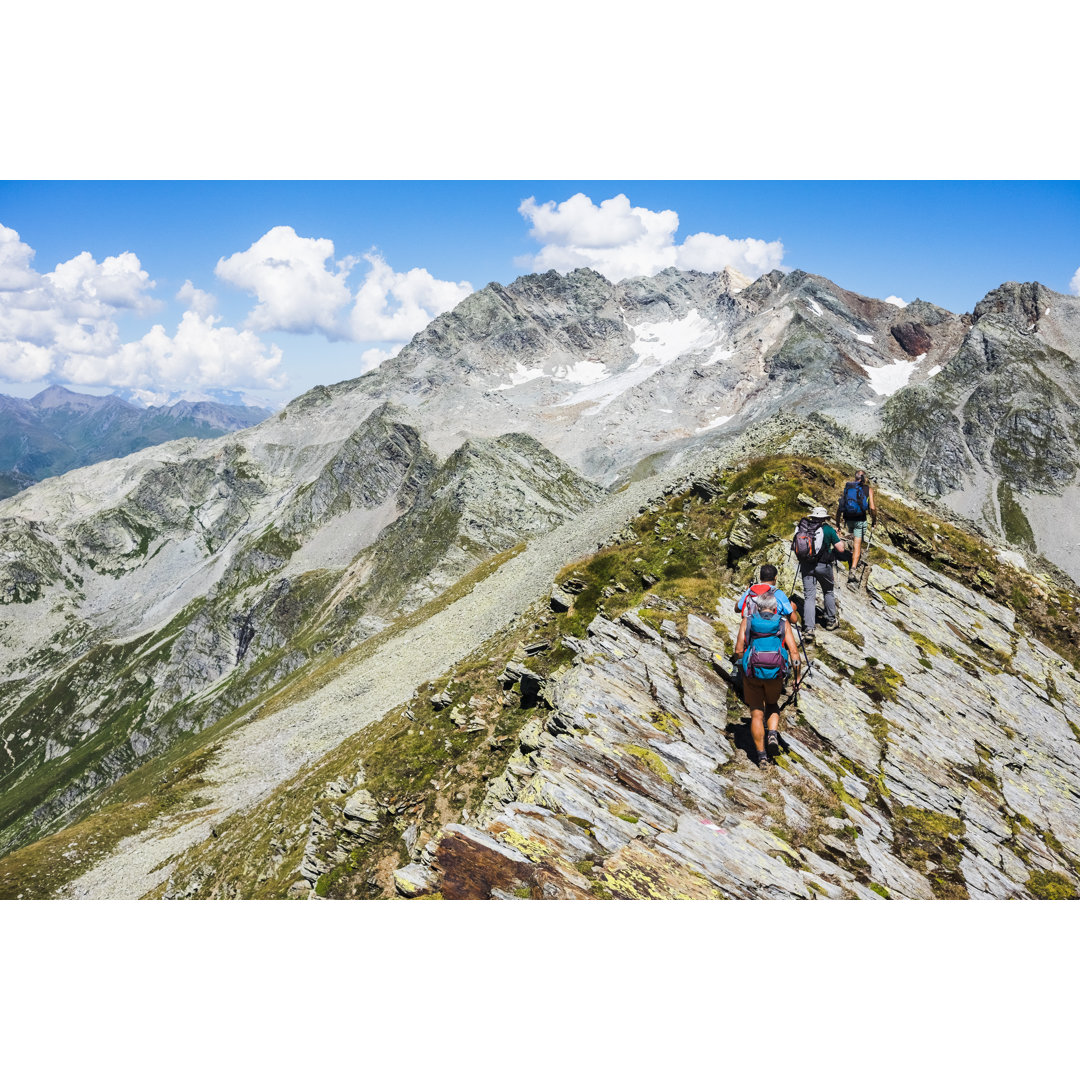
[[855, 503], [817, 546], [766, 651]]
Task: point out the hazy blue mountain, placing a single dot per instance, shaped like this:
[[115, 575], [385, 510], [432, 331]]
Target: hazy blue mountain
[[58, 430]]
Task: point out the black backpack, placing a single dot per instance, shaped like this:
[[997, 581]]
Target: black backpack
[[809, 537]]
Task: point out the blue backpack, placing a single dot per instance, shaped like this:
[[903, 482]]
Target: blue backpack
[[855, 502], [765, 656]]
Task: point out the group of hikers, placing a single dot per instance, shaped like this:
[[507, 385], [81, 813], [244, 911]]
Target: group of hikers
[[767, 645]]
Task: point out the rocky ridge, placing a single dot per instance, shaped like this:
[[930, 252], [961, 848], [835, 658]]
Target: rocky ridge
[[928, 755]]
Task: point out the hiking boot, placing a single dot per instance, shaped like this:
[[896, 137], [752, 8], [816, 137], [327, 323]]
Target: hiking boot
[[832, 624], [808, 635], [761, 759], [853, 582], [772, 742]]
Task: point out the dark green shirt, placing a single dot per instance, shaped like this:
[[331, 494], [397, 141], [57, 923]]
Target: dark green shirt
[[829, 539]]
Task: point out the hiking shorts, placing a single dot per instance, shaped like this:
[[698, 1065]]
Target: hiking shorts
[[859, 529], [760, 693]]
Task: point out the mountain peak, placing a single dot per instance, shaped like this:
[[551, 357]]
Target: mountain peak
[[1023, 302], [60, 397]]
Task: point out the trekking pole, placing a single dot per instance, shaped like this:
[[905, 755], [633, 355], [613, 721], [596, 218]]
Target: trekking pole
[[794, 695], [802, 646]]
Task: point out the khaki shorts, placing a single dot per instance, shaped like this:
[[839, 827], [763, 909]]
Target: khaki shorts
[[859, 529], [757, 693]]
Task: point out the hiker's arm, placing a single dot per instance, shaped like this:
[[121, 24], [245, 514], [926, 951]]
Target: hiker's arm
[[792, 646], [740, 640]]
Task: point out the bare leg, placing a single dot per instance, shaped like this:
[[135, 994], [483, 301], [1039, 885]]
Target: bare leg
[[757, 728], [774, 718], [855, 554]]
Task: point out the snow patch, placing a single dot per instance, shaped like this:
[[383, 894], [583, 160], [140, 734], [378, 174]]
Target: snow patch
[[1012, 558], [666, 341], [719, 353], [522, 374], [655, 345], [921, 356], [814, 307], [890, 378], [714, 423], [867, 338], [933, 371], [584, 372]]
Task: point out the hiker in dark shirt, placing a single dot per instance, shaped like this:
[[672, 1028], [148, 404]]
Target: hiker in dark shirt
[[817, 546], [855, 503]]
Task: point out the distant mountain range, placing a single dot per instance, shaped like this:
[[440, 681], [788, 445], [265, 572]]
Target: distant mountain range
[[58, 430]]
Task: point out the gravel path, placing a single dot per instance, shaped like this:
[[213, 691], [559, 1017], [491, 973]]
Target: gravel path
[[272, 748]]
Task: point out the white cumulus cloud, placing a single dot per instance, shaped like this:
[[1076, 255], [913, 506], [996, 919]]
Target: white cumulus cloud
[[15, 259], [200, 353], [1074, 285], [896, 301], [62, 325], [294, 287], [116, 282], [620, 240], [202, 303], [392, 306], [298, 288]]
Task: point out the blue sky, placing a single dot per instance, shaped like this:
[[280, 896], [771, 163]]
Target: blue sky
[[283, 312]]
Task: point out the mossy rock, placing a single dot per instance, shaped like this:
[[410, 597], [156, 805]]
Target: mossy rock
[[1048, 885]]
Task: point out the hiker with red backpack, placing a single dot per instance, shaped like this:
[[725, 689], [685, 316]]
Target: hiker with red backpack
[[817, 546], [855, 503], [767, 584], [765, 651]]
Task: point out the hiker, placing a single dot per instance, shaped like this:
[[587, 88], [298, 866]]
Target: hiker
[[767, 574], [765, 651], [855, 503], [817, 546]]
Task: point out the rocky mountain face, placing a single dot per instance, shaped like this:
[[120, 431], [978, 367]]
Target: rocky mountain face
[[155, 606], [58, 430], [610, 375], [995, 432], [382, 528]]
